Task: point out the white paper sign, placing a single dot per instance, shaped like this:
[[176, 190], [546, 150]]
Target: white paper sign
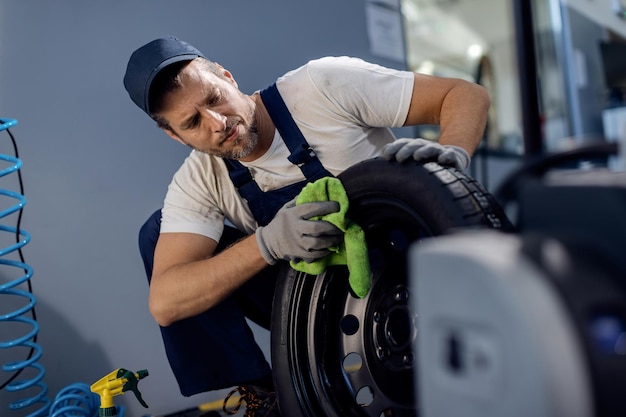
[[384, 26]]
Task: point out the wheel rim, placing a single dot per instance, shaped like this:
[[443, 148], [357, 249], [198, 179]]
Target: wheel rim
[[359, 358]]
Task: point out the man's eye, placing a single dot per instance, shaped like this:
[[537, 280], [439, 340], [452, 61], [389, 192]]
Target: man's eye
[[213, 100], [193, 123]]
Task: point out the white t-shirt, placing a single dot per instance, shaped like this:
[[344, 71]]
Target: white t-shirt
[[343, 106]]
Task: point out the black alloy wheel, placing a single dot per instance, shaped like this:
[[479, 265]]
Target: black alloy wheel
[[337, 355]]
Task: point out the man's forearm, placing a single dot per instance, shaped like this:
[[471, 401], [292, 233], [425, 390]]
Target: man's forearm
[[187, 289]]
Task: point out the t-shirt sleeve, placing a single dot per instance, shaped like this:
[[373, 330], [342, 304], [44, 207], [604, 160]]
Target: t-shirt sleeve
[[190, 206], [373, 95]]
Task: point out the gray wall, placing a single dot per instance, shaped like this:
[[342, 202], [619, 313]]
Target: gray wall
[[95, 167]]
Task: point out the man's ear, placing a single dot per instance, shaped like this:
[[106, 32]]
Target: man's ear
[[174, 136], [229, 76]]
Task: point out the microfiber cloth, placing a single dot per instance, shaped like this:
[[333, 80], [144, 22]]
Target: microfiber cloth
[[352, 251]]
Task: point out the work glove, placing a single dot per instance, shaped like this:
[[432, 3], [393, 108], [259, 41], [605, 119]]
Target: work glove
[[423, 149], [293, 237]]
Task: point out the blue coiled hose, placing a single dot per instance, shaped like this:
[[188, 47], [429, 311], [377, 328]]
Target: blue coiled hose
[[9, 289], [76, 400]]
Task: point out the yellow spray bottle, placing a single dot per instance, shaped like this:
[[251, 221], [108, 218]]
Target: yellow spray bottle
[[116, 383]]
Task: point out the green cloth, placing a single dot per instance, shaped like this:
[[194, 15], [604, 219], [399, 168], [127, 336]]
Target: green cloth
[[352, 251]]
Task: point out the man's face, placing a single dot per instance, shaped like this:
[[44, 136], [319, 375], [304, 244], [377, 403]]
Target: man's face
[[209, 114]]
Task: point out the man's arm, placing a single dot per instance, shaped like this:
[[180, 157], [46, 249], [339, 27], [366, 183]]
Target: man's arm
[[459, 107], [187, 279]]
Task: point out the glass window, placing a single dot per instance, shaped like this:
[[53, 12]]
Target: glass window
[[474, 40]]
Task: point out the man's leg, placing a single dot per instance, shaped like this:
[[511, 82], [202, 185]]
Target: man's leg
[[216, 349]]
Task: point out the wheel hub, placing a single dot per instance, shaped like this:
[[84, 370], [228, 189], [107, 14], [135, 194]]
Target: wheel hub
[[394, 330]]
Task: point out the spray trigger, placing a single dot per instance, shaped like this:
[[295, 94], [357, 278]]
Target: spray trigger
[[132, 382]]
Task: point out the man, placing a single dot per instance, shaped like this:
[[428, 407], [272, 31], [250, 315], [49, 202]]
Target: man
[[251, 156]]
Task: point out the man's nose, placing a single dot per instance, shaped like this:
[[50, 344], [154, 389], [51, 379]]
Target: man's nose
[[216, 121]]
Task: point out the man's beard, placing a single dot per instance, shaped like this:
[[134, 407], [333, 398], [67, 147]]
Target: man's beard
[[248, 140]]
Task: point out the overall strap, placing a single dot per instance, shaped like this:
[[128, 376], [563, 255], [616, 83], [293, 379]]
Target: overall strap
[[242, 179], [301, 155]]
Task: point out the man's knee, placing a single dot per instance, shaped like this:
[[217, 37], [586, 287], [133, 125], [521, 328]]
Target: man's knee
[[148, 236], [230, 235]]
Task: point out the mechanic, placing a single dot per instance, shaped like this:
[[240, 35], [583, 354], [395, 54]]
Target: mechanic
[[228, 216]]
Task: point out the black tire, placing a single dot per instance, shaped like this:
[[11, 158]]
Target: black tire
[[336, 355]]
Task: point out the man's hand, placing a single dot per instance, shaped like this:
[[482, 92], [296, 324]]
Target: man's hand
[[293, 237], [422, 149]]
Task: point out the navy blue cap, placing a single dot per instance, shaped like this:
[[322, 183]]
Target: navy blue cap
[[146, 62]]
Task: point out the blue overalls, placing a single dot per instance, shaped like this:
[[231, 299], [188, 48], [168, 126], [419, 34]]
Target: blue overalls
[[216, 349]]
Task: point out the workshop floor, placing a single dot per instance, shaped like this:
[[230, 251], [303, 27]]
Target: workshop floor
[[212, 409]]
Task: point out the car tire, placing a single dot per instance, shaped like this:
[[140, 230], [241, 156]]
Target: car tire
[[335, 354]]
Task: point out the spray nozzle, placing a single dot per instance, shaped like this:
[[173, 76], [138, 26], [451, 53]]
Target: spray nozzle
[[115, 383]]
